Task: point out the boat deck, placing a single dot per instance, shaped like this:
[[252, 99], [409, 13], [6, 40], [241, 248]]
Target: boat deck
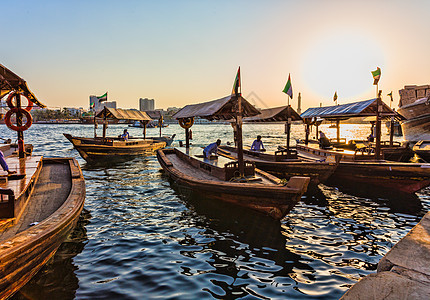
[[26, 171], [218, 163], [51, 190]]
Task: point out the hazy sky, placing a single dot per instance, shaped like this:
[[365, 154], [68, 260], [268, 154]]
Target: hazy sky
[[184, 52]]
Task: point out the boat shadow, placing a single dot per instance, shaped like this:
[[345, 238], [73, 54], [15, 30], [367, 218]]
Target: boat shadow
[[237, 236], [396, 201], [57, 278]]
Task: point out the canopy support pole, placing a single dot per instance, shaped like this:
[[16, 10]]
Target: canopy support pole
[[391, 131], [187, 138], [338, 131], [104, 124], [21, 152], [307, 134], [378, 126], [144, 130]]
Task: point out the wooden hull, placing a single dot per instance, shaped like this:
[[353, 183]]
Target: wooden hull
[[23, 253], [416, 129], [93, 150], [382, 175], [271, 199], [422, 149], [318, 172]]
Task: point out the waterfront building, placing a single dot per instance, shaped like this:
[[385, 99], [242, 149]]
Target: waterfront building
[[146, 104]]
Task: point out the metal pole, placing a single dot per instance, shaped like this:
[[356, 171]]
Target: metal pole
[[391, 131], [187, 138], [288, 127]]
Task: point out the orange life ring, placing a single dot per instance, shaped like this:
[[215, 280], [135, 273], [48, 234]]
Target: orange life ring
[[186, 122], [22, 127], [10, 104]]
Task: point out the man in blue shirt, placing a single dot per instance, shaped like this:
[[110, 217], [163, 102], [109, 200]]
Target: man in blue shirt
[[4, 164], [257, 145], [125, 135], [211, 148]]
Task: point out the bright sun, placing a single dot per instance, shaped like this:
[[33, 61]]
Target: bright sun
[[341, 62]]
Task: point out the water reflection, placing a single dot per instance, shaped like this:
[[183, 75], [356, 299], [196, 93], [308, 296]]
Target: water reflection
[[247, 250], [57, 279]]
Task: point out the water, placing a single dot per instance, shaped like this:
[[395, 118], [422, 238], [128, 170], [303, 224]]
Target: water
[[138, 238]]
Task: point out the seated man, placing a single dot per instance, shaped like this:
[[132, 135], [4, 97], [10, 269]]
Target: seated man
[[125, 135], [4, 164], [324, 141], [211, 149], [257, 145]]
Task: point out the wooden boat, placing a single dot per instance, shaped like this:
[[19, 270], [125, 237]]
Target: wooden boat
[[259, 191], [422, 148], [237, 182], [96, 149], [279, 165], [414, 106], [364, 165], [39, 204], [103, 148], [37, 213]]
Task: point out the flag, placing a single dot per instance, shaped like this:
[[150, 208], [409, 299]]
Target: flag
[[391, 95], [335, 96], [376, 75], [102, 98], [236, 85], [288, 89]]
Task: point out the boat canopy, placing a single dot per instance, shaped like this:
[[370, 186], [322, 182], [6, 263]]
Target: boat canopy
[[276, 114], [221, 109], [346, 111], [123, 114], [10, 82], [153, 114]]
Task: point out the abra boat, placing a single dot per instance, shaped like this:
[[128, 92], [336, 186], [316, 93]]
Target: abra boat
[[285, 163], [103, 148], [237, 182], [363, 164], [39, 205], [414, 106]]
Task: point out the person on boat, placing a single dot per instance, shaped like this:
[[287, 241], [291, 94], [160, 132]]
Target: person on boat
[[211, 149], [323, 140], [125, 135], [4, 165], [257, 145]]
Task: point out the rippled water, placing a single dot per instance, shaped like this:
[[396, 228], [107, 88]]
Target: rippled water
[[138, 238]]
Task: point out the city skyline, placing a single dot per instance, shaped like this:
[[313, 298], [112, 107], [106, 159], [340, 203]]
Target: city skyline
[[187, 52]]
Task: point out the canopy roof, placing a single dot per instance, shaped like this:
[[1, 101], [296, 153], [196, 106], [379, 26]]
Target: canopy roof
[[10, 82], [221, 109], [153, 114], [275, 114], [346, 111], [123, 114]]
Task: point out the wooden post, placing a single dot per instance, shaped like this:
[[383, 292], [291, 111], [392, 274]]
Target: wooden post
[[338, 131], [307, 133], [378, 126], [392, 131], [288, 128], [21, 151], [104, 124], [187, 138], [144, 130], [239, 135]]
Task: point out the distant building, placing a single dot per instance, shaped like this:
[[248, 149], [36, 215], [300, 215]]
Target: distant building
[[146, 104], [75, 112]]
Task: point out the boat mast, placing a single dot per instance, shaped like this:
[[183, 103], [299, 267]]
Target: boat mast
[[239, 134]]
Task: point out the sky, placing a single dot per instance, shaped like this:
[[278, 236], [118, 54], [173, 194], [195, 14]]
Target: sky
[[186, 52]]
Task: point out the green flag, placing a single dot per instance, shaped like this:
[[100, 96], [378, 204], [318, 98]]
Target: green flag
[[391, 95], [335, 96], [102, 98], [236, 85], [288, 89], [376, 75]]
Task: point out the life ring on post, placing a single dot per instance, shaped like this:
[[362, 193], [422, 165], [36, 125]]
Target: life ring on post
[[186, 122], [10, 104], [15, 111]]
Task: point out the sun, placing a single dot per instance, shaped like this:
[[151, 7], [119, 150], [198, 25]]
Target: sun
[[341, 62]]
